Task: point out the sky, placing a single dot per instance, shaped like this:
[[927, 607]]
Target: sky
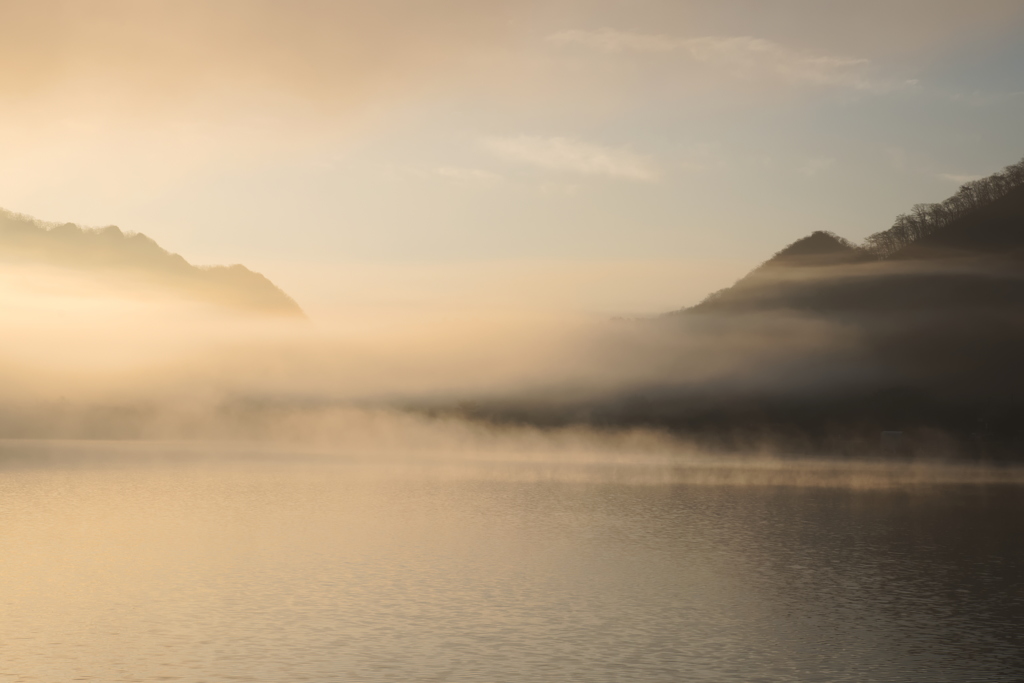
[[605, 157]]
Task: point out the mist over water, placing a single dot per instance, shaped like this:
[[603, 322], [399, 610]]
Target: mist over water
[[188, 494], [85, 357], [483, 341]]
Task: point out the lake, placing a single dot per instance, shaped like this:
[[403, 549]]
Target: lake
[[185, 562]]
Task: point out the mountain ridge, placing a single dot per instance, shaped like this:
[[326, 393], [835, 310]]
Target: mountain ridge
[[133, 257], [976, 234]]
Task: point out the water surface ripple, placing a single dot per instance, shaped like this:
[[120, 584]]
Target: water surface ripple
[[312, 569]]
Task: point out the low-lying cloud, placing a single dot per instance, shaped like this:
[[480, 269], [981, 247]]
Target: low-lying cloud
[[574, 156], [741, 56], [959, 178], [474, 176]]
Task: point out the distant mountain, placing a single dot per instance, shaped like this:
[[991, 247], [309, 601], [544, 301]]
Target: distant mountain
[[134, 258]]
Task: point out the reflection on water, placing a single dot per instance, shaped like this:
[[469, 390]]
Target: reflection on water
[[144, 563]]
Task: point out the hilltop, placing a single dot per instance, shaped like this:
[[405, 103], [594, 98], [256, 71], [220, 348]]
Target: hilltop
[[133, 258], [965, 251]]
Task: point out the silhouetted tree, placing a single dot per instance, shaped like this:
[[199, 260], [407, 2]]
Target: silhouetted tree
[[925, 219]]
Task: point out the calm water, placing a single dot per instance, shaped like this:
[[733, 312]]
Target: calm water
[[116, 565]]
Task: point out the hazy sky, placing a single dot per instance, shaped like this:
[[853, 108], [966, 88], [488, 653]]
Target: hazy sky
[[610, 156]]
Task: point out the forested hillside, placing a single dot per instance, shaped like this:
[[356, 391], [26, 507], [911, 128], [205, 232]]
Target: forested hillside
[[919, 331]]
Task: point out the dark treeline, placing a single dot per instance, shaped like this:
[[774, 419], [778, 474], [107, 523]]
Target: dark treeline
[[926, 219], [927, 228]]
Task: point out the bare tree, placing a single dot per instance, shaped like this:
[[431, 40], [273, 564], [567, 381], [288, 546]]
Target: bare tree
[[925, 219]]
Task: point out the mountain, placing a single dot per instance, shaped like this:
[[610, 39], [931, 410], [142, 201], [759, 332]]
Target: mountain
[[132, 259], [828, 344], [789, 279], [965, 252]]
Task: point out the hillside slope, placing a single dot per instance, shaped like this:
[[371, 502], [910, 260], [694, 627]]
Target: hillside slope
[[965, 252], [993, 228]]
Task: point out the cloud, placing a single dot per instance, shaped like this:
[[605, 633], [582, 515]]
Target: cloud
[[566, 154], [749, 56], [191, 59], [609, 40], [741, 55], [814, 166], [467, 175], [959, 178]]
